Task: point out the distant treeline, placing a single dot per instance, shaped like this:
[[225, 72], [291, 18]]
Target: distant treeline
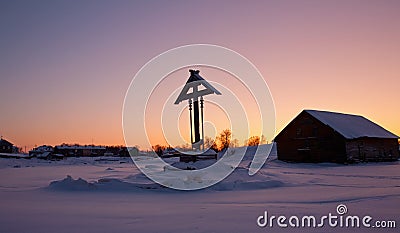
[[76, 150], [223, 141]]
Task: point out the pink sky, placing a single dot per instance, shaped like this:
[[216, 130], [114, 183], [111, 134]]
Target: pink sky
[[65, 66]]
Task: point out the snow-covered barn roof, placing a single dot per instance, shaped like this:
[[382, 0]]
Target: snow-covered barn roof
[[351, 126]]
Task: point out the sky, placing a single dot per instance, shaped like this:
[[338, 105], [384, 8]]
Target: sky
[[66, 65]]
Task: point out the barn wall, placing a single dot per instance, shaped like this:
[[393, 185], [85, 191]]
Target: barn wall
[[372, 149], [306, 139]]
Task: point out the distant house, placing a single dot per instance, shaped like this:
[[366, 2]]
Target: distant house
[[78, 150], [170, 152], [5, 146], [44, 152], [320, 136], [121, 151]]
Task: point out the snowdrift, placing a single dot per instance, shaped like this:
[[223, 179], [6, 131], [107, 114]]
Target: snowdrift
[[237, 180], [105, 184]]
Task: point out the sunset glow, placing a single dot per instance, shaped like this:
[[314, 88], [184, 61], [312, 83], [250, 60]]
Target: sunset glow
[[66, 66]]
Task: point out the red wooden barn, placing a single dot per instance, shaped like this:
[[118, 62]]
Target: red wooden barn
[[320, 136]]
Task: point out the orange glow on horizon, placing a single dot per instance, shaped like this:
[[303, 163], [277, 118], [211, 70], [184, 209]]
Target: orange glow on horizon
[[64, 74]]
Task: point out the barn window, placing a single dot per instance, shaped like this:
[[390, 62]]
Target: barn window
[[306, 144], [298, 132], [315, 131]]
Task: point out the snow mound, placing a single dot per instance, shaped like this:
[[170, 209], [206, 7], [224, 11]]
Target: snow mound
[[238, 180], [104, 184], [69, 184]]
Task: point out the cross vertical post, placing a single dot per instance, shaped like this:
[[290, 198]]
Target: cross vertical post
[[191, 130], [192, 92], [202, 121], [196, 124]]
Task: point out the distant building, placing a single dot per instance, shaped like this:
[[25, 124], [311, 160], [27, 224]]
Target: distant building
[[170, 152], [41, 149], [78, 150], [120, 151], [320, 136], [5, 146], [43, 152]]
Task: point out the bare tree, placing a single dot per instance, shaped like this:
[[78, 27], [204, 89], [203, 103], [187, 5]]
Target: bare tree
[[255, 140], [234, 143], [159, 149], [224, 139], [263, 140], [208, 142]]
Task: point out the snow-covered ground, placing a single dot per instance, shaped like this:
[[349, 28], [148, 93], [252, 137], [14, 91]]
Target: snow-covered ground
[[110, 194]]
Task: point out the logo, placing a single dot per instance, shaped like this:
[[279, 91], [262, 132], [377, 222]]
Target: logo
[[342, 220]]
